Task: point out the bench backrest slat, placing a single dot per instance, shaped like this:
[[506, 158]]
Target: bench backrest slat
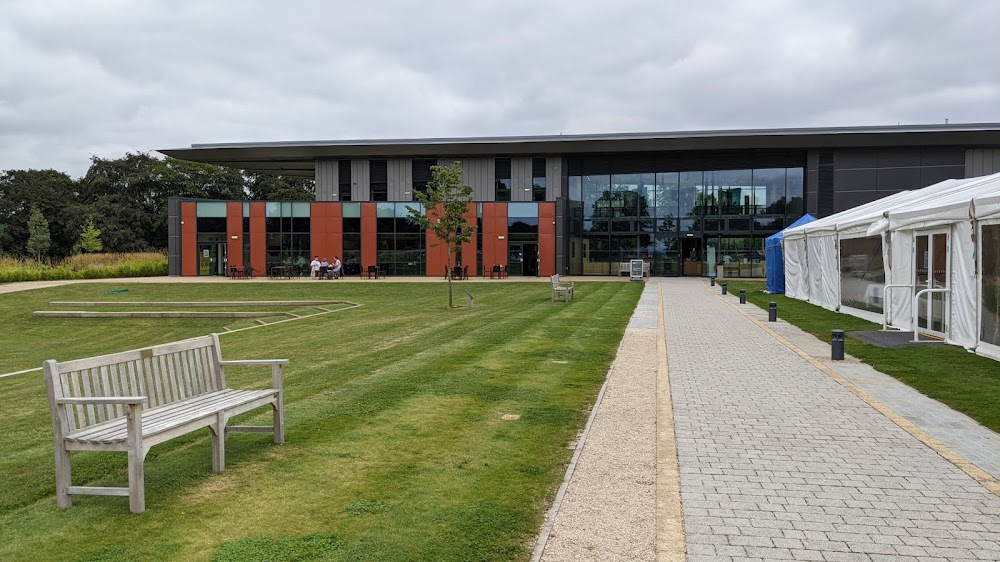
[[164, 374]]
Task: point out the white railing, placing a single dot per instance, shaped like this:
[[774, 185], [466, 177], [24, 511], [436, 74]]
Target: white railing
[[887, 302], [916, 301]]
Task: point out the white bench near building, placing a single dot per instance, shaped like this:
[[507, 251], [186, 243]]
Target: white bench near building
[[133, 400]]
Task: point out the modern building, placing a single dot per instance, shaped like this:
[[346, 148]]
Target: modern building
[[685, 202]]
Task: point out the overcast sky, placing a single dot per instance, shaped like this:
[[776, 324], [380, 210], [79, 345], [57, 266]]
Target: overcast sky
[[105, 77]]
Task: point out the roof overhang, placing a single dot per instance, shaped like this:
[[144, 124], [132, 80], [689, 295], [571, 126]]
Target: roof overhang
[[297, 158]]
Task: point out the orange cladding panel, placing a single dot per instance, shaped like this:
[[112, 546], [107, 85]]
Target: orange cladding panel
[[546, 239], [436, 251], [469, 248], [335, 229], [369, 246], [189, 238], [258, 238], [234, 233]]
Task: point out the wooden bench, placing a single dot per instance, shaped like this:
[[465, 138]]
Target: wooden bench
[[561, 290], [133, 400]]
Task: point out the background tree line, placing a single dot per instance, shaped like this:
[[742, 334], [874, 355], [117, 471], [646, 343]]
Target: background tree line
[[125, 199]]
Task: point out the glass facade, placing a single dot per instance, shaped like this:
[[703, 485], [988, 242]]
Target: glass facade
[[378, 178], [502, 173], [681, 222], [351, 228], [538, 179], [287, 226], [344, 180], [400, 242]]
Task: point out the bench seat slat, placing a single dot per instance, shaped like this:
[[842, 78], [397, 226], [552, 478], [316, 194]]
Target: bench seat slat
[[164, 418]]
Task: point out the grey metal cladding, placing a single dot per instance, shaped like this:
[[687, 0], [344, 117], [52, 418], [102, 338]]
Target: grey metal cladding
[[400, 179], [327, 180], [981, 162], [520, 175], [479, 174], [554, 178], [360, 184]]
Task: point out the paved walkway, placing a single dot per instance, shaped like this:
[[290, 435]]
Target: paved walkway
[[779, 458]]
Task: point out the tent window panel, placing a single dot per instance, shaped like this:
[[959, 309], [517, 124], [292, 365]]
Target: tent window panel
[[990, 328], [862, 273]]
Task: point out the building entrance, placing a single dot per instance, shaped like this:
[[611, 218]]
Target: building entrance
[[212, 258], [691, 257], [522, 259]]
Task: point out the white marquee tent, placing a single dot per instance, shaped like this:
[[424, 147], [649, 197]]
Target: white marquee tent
[[870, 261]]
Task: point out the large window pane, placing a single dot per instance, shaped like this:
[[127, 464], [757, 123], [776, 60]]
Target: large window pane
[[210, 209], [793, 193], [690, 186], [772, 180], [862, 273], [735, 193]]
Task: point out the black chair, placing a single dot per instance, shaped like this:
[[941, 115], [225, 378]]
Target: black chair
[[496, 271], [235, 272], [373, 270]]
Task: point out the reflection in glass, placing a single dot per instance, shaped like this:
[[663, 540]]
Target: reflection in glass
[[862, 273]]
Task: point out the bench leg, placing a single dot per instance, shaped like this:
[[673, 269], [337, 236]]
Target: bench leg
[[279, 421], [136, 461], [63, 478], [219, 443]]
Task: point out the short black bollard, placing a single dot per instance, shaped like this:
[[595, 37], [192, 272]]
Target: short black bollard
[[743, 296], [772, 312], [725, 289], [837, 345], [711, 280]]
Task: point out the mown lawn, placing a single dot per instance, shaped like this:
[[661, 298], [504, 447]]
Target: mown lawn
[[396, 447], [964, 381]]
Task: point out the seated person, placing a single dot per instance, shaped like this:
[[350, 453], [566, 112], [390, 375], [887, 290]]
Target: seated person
[[338, 268], [324, 267]]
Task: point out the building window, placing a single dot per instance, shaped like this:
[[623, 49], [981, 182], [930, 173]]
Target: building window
[[344, 180], [421, 169], [378, 179], [502, 174], [287, 226], [400, 243], [538, 179]]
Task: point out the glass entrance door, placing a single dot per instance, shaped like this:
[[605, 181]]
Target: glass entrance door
[[211, 258], [530, 259], [931, 267], [515, 259]]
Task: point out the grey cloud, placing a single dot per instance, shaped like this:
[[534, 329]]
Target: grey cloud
[[108, 76]]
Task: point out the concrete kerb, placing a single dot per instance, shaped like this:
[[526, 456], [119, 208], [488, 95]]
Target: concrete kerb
[[982, 477]]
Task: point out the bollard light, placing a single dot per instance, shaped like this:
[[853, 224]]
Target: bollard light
[[837, 345], [725, 289], [743, 296], [772, 312], [711, 280]]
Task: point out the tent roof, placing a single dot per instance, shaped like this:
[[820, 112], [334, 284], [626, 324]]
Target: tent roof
[[804, 219], [953, 205]]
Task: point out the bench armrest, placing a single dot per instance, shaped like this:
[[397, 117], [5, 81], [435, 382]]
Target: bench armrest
[[104, 400], [246, 362], [277, 377]]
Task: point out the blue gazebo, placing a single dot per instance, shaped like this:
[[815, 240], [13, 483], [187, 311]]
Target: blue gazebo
[[774, 260]]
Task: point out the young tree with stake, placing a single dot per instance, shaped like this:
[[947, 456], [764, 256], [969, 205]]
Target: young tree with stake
[[446, 201]]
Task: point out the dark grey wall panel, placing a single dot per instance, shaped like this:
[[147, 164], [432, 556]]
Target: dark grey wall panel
[[855, 158], [479, 174], [327, 180], [897, 179], [898, 157], [848, 199], [933, 175], [173, 236], [855, 180], [942, 156]]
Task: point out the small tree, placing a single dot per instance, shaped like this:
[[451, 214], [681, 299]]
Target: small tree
[[90, 238], [446, 201], [38, 234]]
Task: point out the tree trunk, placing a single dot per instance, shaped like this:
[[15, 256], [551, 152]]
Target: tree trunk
[[450, 271]]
